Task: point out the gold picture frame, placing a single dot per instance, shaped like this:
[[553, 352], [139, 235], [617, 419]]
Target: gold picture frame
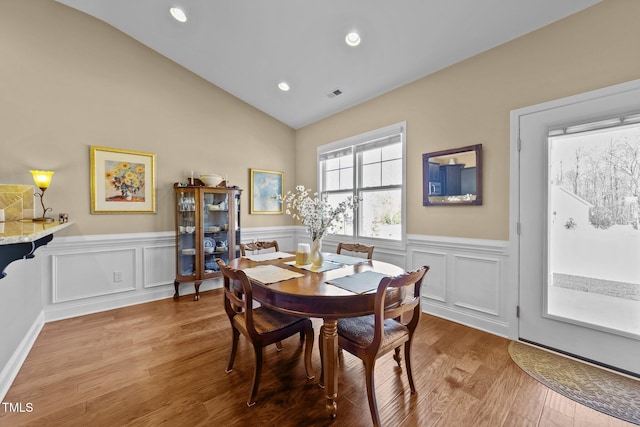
[[122, 181], [266, 192]]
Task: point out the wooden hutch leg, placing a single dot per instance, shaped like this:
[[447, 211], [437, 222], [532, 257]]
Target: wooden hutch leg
[[197, 285], [176, 284]]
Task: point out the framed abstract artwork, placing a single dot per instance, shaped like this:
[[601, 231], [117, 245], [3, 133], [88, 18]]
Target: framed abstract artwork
[[266, 191], [122, 181]]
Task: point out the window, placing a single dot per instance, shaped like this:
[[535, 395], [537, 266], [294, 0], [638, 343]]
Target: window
[[370, 167]]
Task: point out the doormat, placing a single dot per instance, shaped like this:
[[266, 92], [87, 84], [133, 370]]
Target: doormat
[[597, 388]]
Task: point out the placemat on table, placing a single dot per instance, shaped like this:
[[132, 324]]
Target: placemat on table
[[359, 283], [326, 266], [270, 274]]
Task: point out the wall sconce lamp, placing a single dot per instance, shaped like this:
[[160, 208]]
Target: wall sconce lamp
[[42, 180]]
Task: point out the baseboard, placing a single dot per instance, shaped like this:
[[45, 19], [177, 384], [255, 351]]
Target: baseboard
[[493, 327], [11, 369]]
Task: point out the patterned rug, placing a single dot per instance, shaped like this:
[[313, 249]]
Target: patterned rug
[[597, 388]]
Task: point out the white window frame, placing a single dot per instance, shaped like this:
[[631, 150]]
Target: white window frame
[[354, 141]]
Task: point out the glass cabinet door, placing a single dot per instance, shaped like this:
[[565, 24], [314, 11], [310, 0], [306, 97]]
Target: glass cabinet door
[[186, 223], [215, 227]]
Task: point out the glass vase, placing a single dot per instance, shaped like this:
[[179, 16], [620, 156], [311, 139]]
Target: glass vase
[[315, 256]]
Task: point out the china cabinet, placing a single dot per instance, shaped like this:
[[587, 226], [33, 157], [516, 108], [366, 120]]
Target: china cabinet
[[207, 227]]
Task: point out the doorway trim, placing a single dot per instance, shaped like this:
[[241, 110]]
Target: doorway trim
[[514, 181]]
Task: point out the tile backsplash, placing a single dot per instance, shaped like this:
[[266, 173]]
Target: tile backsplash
[[17, 201]]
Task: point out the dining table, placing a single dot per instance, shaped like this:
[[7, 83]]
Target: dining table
[[344, 286]]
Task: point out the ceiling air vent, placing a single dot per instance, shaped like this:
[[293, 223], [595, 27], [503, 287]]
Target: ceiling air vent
[[334, 93]]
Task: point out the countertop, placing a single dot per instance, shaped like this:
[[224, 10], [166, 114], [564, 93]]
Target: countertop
[[24, 230]]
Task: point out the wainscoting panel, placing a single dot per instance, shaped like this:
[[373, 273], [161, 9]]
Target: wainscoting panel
[[434, 285], [476, 284], [159, 264], [466, 282], [87, 274]]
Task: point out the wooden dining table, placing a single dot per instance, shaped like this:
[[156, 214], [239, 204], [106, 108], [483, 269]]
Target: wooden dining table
[[312, 296]]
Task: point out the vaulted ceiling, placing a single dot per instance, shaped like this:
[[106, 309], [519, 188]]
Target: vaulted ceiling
[[247, 47]]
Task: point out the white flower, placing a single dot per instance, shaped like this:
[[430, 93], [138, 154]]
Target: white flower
[[317, 214]]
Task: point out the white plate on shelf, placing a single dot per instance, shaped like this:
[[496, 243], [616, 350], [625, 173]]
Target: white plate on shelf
[[188, 252], [209, 242]]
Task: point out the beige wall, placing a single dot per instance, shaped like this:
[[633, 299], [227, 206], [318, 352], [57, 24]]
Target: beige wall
[[470, 102], [69, 81]]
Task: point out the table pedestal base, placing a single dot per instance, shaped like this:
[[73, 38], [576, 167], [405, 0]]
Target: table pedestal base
[[329, 333]]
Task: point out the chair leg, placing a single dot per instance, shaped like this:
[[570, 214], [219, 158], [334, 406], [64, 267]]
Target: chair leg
[[234, 347], [256, 376], [302, 333], [321, 381], [407, 361], [396, 356], [308, 351], [371, 392]]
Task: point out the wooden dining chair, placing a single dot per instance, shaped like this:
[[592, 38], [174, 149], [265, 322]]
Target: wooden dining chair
[[369, 337], [262, 326], [355, 247], [258, 246]]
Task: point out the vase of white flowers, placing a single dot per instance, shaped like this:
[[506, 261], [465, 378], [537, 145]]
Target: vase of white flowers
[[316, 256], [317, 215]]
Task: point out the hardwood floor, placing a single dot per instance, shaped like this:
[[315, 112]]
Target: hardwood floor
[[163, 363]]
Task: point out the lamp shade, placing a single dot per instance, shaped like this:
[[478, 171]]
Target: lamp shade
[[42, 178]]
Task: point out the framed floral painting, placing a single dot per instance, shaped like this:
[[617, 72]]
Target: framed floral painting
[[266, 191], [122, 181]]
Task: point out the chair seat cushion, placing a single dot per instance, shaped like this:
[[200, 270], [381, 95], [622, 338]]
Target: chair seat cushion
[[360, 330], [266, 320]]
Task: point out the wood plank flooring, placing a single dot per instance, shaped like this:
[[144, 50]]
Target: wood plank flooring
[[163, 363]]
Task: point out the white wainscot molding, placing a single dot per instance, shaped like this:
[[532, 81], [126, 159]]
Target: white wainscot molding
[[88, 274], [467, 280], [466, 283]]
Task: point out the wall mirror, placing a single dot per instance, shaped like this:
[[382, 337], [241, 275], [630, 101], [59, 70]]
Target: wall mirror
[[452, 177]]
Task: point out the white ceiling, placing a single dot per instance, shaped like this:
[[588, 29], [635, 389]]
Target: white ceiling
[[246, 47]]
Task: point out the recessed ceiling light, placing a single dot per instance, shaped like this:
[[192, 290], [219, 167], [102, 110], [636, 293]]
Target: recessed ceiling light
[[352, 39], [178, 14], [283, 86]]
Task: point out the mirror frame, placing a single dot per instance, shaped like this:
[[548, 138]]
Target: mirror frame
[[425, 176]]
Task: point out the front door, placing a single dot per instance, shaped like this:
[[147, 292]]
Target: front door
[[579, 242]]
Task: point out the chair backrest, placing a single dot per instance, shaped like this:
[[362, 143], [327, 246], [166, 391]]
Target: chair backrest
[[406, 290], [355, 247], [237, 299], [258, 246]]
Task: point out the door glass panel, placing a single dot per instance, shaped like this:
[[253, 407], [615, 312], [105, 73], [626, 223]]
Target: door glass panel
[[215, 219], [594, 229]]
